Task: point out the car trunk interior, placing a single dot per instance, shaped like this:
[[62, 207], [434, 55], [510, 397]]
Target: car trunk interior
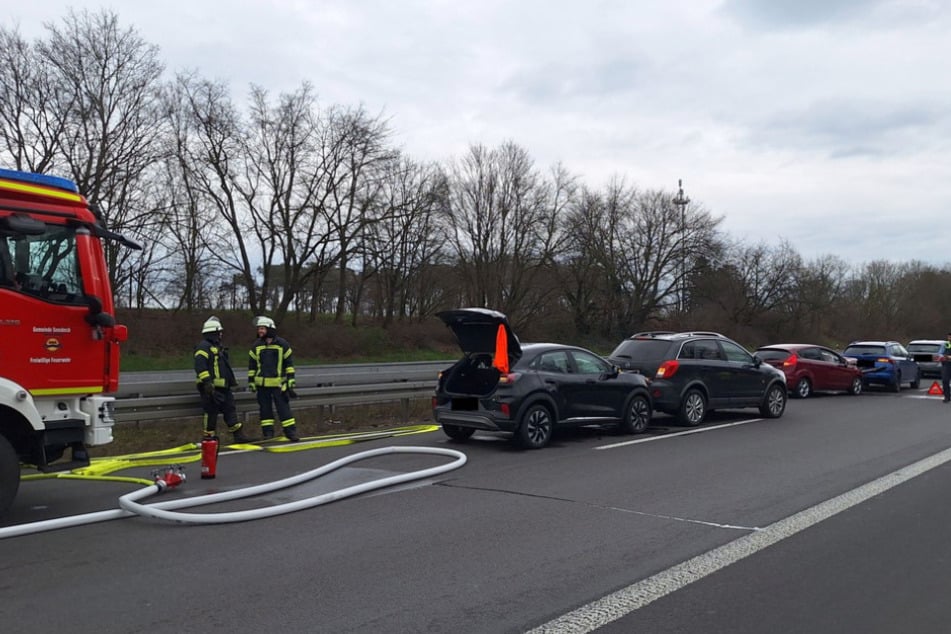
[[473, 376]]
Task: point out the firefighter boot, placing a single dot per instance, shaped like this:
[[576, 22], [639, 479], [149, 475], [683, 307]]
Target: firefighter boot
[[267, 431], [290, 432], [238, 435]]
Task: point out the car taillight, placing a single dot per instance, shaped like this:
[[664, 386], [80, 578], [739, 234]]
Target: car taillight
[[884, 360], [504, 408], [509, 377], [667, 369], [791, 360]]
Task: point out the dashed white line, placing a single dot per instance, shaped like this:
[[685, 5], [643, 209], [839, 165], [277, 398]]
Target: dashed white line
[[621, 603], [698, 430]]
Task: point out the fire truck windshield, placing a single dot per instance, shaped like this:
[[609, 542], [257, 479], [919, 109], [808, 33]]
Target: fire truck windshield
[[44, 265]]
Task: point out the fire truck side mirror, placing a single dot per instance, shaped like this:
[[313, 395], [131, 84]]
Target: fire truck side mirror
[[96, 317], [104, 320]]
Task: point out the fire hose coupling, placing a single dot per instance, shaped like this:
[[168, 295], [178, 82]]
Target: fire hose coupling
[[169, 477]]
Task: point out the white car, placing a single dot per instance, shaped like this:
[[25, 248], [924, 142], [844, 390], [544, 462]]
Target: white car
[[927, 352]]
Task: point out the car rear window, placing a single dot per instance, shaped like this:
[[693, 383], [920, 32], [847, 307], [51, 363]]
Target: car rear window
[[924, 347], [768, 354], [864, 350], [644, 350]]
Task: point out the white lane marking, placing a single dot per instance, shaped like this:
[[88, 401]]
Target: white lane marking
[[621, 603], [699, 430], [683, 519]]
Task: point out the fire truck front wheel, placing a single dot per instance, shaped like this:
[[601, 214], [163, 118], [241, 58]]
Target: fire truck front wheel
[[9, 474]]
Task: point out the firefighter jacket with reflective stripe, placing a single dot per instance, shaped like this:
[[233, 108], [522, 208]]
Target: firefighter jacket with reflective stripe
[[212, 364], [272, 362]]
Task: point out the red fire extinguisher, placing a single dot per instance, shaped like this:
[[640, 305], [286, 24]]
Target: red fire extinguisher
[[209, 457]]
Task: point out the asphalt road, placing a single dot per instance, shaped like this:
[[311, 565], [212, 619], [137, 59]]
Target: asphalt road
[[830, 519]]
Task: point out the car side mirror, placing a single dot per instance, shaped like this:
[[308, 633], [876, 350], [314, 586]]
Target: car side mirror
[[757, 362]]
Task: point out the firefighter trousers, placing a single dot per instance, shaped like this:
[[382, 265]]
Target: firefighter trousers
[[220, 401], [268, 399]]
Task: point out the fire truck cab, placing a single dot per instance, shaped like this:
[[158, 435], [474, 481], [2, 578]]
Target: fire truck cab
[[59, 341]]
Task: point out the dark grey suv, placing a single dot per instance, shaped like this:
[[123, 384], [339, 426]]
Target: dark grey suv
[[693, 373], [530, 390]]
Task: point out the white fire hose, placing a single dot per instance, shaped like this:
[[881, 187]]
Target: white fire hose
[[130, 505]]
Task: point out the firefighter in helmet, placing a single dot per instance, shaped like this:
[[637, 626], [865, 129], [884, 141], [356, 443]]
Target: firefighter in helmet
[[215, 378], [271, 376]]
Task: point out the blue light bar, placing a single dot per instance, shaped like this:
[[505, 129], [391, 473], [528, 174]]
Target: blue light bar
[[40, 179]]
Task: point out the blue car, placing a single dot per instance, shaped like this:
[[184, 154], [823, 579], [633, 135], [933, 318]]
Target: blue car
[[885, 363]]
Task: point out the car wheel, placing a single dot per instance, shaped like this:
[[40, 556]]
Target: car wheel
[[457, 432], [536, 428], [774, 403], [9, 474], [638, 415], [693, 408], [897, 386], [803, 388], [856, 388]]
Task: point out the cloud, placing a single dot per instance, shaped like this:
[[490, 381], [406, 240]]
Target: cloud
[[783, 15], [598, 79], [821, 121], [846, 128]]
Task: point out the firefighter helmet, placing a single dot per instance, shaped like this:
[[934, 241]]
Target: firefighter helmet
[[212, 324], [265, 322]]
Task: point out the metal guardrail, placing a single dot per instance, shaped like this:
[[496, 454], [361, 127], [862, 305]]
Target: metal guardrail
[[146, 396], [174, 382]]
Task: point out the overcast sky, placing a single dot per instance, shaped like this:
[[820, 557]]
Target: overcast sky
[[824, 122]]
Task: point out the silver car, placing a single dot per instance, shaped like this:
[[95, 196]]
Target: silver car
[[926, 352]]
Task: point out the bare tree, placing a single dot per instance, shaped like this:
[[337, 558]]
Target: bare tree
[[111, 124], [354, 157], [283, 192], [819, 287], [926, 298], [878, 295], [212, 155], [503, 226], [755, 282], [32, 110], [403, 244], [584, 266], [629, 253]]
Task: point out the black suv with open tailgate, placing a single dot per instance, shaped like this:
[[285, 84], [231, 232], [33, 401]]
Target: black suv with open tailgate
[[530, 390], [693, 373]]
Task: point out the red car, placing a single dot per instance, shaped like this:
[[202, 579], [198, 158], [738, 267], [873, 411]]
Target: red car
[[812, 368]]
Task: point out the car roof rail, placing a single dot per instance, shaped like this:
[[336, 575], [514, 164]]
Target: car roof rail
[[702, 333], [652, 333]]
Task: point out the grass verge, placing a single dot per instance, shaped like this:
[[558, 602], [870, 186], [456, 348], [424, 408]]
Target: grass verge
[[162, 434]]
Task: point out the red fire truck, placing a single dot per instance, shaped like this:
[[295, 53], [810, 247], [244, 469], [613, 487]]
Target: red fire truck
[[59, 341]]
